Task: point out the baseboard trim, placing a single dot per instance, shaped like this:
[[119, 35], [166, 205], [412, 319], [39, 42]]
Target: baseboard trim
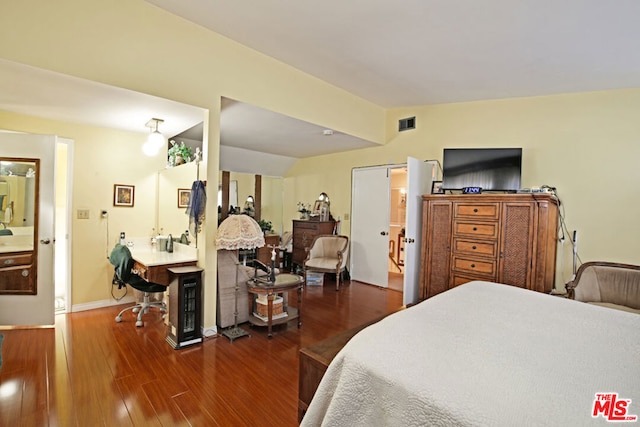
[[102, 304], [210, 332]]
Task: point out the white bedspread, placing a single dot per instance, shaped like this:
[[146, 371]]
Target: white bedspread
[[483, 354]]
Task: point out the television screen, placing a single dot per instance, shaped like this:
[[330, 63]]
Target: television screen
[[492, 169]]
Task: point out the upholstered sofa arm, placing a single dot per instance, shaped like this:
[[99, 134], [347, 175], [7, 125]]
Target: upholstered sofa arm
[[607, 283]]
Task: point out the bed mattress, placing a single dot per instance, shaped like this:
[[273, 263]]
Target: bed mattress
[[485, 354]]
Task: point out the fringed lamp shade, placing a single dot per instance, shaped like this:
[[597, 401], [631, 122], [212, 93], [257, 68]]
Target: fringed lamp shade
[[239, 232]]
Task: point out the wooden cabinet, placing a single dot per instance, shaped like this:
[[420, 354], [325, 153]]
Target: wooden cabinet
[[303, 233], [505, 238], [185, 307]]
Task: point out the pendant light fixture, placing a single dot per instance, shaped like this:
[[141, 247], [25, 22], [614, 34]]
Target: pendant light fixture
[[155, 140]]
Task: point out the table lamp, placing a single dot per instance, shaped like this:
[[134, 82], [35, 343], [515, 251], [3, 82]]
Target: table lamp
[[234, 233]]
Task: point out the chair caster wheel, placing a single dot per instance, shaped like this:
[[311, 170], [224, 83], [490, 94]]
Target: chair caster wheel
[[118, 319], [135, 310], [139, 323]]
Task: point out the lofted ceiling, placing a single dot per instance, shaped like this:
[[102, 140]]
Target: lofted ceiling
[[42, 93], [393, 53], [404, 53]]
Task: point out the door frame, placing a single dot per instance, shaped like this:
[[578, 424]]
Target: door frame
[[70, 143], [382, 281]]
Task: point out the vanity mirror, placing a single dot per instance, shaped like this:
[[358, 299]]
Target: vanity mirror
[[18, 219], [174, 186], [268, 206]]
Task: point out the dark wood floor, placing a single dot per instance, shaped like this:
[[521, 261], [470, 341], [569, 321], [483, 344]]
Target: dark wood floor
[[90, 370]]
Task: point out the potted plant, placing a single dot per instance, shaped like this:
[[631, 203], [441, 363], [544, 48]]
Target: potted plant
[[179, 153], [304, 210], [265, 226]]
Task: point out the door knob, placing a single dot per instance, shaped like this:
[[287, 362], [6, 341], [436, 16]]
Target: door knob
[[45, 241], [383, 233]]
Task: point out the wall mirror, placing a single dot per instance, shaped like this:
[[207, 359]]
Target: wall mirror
[[271, 200], [174, 188], [233, 193], [18, 225]]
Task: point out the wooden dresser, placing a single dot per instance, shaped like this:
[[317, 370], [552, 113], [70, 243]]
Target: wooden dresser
[[505, 238], [303, 233]]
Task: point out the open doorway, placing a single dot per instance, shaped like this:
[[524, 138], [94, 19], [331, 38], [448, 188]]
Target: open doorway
[[397, 227]]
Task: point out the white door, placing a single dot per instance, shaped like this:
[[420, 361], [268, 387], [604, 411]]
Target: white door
[[370, 200], [420, 176], [34, 309]]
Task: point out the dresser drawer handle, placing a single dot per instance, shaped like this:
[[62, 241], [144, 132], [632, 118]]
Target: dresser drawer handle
[[475, 210], [9, 261], [473, 266], [475, 228], [473, 247]]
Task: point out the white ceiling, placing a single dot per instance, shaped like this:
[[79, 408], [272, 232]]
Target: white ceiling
[[393, 53], [400, 53]]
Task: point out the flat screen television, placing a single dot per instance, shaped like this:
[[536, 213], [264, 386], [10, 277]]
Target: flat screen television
[[492, 169]]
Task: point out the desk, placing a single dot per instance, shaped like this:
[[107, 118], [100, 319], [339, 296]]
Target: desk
[[154, 266], [284, 283]]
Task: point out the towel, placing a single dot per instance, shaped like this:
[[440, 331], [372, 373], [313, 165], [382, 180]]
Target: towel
[[196, 209], [8, 215]]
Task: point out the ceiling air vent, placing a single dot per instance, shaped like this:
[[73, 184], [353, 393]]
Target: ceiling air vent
[[406, 124]]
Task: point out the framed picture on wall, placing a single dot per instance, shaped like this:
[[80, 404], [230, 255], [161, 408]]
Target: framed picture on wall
[[436, 187], [184, 195], [123, 195]]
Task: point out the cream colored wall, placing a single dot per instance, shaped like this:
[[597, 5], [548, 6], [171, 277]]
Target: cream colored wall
[[126, 43], [271, 207], [586, 145], [102, 158]]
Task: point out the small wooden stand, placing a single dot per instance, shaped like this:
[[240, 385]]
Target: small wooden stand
[[185, 307]]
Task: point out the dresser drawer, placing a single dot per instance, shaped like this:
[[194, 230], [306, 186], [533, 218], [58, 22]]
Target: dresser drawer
[[474, 247], [458, 279], [11, 260], [17, 279], [307, 225], [477, 210], [475, 266], [476, 229]]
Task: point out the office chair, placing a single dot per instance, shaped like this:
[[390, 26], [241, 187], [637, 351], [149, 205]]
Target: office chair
[[122, 260]]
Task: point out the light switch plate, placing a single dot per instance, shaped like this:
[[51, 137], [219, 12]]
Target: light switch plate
[[83, 213]]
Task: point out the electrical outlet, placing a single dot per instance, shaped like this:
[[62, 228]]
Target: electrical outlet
[[83, 213], [346, 217]]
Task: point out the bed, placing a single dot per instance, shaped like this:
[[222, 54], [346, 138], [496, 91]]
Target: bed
[[483, 354]]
